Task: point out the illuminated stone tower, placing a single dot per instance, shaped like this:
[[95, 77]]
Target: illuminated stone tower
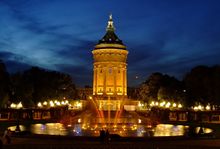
[[110, 66]]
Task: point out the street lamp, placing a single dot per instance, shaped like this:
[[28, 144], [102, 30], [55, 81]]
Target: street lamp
[[39, 105]]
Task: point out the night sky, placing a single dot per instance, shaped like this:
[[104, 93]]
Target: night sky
[[167, 36]]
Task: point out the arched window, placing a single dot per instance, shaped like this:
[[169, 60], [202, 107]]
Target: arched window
[[110, 70]]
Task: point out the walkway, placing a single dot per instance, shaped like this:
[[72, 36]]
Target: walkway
[[71, 143]]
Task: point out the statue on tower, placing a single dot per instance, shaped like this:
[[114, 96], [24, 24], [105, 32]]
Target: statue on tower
[[110, 26]]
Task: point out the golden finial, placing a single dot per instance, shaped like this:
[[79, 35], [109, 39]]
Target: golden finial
[[110, 26]]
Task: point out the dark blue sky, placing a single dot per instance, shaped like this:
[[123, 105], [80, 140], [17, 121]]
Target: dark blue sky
[[168, 36]]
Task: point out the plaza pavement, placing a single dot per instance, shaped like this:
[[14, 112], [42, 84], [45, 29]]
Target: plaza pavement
[[58, 142]]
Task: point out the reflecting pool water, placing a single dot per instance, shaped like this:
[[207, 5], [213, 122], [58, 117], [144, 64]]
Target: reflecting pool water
[[128, 130], [49, 129]]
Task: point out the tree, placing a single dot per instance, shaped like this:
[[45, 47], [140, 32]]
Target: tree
[[161, 87], [37, 84], [203, 84], [4, 85], [148, 90], [21, 90], [171, 89]]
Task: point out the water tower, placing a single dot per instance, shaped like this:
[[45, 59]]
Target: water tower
[[110, 67]]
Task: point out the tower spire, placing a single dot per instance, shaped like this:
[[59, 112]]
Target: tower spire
[[110, 26]]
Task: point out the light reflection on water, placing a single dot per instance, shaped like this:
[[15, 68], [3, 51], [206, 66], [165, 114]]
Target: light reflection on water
[[49, 129], [120, 129], [170, 130], [13, 128]]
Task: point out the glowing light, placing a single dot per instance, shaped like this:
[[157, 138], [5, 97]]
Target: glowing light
[[90, 97], [134, 127], [63, 103], [39, 104], [51, 104], [200, 107], [180, 106], [19, 105], [208, 107], [44, 103], [79, 105], [70, 106], [79, 120], [168, 105], [162, 104], [149, 126], [195, 108], [139, 104], [152, 104], [13, 105], [165, 104], [109, 93], [58, 103], [84, 126], [139, 121]]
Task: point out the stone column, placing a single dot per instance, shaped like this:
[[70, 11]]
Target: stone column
[[104, 79], [115, 79], [125, 83], [96, 85], [94, 80]]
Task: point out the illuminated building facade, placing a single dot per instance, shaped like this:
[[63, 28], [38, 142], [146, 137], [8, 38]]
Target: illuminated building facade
[[110, 66]]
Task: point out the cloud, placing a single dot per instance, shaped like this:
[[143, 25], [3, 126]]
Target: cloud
[[15, 66], [81, 75], [170, 37], [10, 56]]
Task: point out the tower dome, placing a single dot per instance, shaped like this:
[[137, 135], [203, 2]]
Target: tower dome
[[110, 39]]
